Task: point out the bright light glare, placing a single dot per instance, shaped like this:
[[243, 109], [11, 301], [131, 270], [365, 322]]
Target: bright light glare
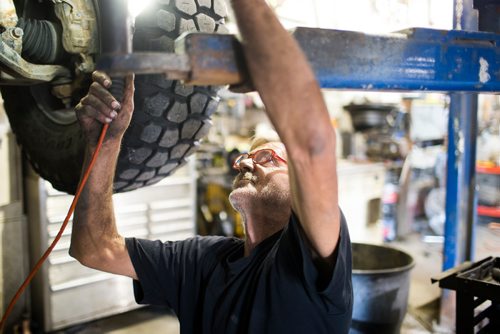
[[135, 7]]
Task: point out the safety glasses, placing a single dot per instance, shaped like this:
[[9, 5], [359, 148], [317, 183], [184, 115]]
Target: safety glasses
[[260, 157]]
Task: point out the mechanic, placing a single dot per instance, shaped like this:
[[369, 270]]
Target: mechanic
[[292, 273]]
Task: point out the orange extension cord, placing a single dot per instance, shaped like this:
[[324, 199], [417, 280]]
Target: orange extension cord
[[44, 257]]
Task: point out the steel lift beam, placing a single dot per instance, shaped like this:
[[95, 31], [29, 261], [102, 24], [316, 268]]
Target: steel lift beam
[[415, 59], [461, 199], [462, 61]]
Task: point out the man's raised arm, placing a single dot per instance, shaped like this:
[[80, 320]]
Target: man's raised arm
[[95, 241], [294, 103]]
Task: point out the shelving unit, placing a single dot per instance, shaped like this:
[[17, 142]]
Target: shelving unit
[[165, 211]]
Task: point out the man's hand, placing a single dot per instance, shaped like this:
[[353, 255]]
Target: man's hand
[[99, 106]]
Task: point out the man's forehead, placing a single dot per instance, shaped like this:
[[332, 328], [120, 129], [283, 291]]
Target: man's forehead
[[279, 147]]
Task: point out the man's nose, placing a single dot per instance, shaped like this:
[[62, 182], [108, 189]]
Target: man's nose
[[246, 165]]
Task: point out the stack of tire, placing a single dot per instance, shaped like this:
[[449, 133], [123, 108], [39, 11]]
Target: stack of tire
[[488, 193]]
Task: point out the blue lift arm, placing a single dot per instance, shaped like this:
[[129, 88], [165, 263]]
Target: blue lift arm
[[415, 59]]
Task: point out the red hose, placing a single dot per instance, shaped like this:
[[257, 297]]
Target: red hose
[[44, 257]]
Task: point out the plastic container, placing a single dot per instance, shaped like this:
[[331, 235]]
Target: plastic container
[[381, 283]]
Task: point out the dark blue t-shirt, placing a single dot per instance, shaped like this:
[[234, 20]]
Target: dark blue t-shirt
[[213, 288]]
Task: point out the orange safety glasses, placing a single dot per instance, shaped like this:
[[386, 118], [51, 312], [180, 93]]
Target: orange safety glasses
[[260, 157]]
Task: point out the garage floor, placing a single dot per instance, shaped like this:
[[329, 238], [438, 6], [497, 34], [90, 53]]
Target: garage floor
[[422, 310]]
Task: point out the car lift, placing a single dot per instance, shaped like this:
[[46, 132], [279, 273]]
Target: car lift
[[463, 62]]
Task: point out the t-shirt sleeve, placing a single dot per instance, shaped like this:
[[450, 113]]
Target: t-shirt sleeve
[[335, 290], [168, 272]]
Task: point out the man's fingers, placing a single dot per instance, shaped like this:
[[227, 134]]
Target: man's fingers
[[104, 95], [98, 105], [101, 78], [90, 112]]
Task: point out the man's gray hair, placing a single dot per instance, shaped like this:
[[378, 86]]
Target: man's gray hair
[[264, 138]]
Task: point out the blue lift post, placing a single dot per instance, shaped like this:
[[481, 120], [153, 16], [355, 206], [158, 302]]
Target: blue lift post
[[461, 199], [462, 135]]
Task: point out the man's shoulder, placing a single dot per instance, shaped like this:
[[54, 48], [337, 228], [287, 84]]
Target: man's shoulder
[[196, 243], [211, 251], [212, 242], [214, 239]]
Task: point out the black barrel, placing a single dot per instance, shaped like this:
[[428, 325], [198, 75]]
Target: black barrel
[[381, 283]]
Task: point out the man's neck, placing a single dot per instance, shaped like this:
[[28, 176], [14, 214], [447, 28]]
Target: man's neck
[[260, 227]]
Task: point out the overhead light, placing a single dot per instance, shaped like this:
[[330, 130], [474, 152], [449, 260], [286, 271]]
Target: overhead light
[[135, 7]]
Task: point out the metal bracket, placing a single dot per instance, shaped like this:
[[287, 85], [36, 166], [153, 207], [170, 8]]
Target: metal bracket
[[448, 278], [200, 59], [175, 67]]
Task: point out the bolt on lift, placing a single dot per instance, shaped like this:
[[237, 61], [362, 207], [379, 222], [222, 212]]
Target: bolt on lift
[[464, 61]]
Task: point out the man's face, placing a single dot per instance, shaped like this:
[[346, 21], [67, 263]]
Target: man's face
[[262, 186]]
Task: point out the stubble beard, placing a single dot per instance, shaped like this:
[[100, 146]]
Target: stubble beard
[[243, 187], [246, 197]]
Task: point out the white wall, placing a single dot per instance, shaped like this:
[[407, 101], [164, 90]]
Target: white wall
[[373, 16], [369, 16]]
